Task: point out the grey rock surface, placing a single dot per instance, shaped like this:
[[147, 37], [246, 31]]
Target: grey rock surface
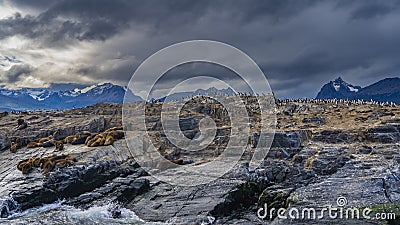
[[304, 168]]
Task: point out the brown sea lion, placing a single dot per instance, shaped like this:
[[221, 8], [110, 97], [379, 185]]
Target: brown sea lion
[[14, 147], [95, 139], [21, 163], [86, 132], [26, 167], [36, 162], [99, 142], [48, 166], [33, 144], [54, 158], [88, 139], [70, 160], [59, 145], [177, 161], [18, 142], [41, 140], [102, 141], [43, 160], [80, 138], [61, 163], [109, 140], [69, 139], [114, 128], [117, 134]]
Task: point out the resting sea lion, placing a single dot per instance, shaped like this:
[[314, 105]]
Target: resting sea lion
[[88, 139], [19, 165], [33, 144], [114, 128], [26, 167], [80, 139], [48, 166], [69, 139], [13, 147], [41, 140], [109, 140], [59, 145], [61, 163], [117, 134]]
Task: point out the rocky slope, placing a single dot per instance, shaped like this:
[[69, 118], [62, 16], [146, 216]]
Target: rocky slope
[[321, 151]]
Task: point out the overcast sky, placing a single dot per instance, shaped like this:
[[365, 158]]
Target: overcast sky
[[299, 45]]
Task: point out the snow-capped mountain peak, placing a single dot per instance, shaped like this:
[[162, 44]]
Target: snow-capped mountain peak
[[337, 88], [339, 83]]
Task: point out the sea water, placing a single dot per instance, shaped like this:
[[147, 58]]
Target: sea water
[[59, 213]]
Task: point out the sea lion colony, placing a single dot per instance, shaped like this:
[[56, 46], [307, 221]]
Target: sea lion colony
[[48, 163], [105, 138]]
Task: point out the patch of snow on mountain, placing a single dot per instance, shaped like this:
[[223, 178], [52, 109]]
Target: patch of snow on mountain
[[336, 86], [6, 93], [39, 95], [353, 89], [86, 89]]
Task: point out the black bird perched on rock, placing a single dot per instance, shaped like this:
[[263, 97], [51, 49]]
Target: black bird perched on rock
[[22, 124]]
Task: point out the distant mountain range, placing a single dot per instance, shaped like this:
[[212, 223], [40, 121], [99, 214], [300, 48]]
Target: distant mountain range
[[62, 96], [180, 95], [386, 90], [68, 96]]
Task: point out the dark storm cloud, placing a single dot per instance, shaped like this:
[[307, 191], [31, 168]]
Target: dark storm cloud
[[37, 4], [94, 19], [372, 9], [102, 19], [15, 73], [182, 72], [48, 29], [299, 45]]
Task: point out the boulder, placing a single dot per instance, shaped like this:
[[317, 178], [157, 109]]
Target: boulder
[[3, 114], [290, 139], [281, 139], [317, 120], [96, 125]]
